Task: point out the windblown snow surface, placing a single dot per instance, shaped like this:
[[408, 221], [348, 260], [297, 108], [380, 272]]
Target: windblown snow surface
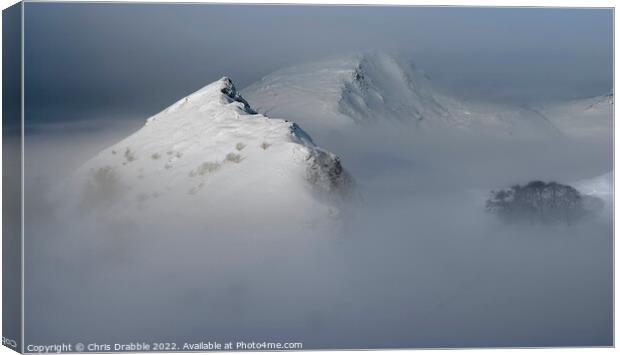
[[214, 223]]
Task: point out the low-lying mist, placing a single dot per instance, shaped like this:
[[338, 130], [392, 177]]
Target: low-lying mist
[[414, 262]]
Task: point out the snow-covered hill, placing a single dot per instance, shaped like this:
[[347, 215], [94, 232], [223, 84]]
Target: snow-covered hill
[[377, 88], [211, 156]]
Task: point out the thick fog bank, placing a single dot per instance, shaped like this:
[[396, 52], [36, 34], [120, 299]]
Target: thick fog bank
[[400, 157], [415, 263]]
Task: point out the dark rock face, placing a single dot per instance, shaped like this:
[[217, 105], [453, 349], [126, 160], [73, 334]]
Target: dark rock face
[[231, 92], [325, 171]]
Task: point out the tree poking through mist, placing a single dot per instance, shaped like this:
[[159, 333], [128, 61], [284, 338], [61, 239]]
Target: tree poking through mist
[[541, 202]]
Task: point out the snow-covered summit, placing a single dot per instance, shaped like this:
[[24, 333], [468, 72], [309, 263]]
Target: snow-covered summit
[[378, 88], [211, 155], [220, 92]]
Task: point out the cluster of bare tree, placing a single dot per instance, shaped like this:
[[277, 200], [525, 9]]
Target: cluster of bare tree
[[541, 202]]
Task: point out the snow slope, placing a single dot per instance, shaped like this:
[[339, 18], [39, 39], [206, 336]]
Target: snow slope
[[600, 186], [375, 88], [211, 157], [590, 118]]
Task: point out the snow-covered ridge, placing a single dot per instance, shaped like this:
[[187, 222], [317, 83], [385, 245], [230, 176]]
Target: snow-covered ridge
[[211, 151], [222, 91], [357, 88], [603, 100], [378, 88]]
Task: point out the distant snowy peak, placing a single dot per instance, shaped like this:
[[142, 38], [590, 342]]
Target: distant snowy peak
[[211, 153], [356, 88], [383, 85], [377, 88]]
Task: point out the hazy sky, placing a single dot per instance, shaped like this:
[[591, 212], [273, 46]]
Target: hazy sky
[[87, 61]]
